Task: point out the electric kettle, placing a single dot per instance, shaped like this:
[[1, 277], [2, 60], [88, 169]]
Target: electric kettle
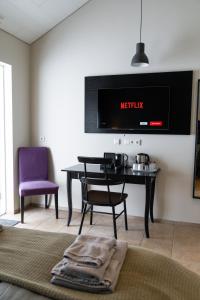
[[142, 158]]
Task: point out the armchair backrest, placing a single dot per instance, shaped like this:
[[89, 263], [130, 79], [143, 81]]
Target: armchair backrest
[[33, 163]]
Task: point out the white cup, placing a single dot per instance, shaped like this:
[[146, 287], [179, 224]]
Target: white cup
[[152, 166], [141, 167], [135, 167]]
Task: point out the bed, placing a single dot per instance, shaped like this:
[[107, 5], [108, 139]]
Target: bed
[[27, 257]]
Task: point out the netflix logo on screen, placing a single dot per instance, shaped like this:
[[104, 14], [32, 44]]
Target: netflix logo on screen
[[131, 105], [134, 108]]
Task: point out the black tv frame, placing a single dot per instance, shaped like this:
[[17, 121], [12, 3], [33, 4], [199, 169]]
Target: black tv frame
[[180, 102]]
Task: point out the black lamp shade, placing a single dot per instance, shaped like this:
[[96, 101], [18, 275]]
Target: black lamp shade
[[140, 59]]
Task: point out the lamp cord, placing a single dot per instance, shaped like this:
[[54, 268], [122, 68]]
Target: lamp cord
[[141, 22]]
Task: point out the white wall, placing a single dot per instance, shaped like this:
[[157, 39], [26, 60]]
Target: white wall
[[100, 39], [16, 53]]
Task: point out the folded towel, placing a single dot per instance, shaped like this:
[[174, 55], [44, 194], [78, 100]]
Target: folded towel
[[107, 284], [90, 250], [69, 268]]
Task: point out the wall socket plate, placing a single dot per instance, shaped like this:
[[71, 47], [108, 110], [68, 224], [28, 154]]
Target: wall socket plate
[[133, 142], [43, 139], [117, 141]]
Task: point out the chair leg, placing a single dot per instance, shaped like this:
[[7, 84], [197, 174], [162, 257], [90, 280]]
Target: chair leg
[[22, 208], [91, 214], [125, 216], [83, 217], [114, 222], [56, 204], [46, 201]]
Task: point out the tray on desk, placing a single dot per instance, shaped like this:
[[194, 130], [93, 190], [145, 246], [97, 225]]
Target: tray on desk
[[145, 171]]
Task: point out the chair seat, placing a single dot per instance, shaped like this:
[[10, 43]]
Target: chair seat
[[100, 198], [37, 187]]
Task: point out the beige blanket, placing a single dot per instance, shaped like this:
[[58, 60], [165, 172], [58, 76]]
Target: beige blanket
[[27, 257], [90, 250]]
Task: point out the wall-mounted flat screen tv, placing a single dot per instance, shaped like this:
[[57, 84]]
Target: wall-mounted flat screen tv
[[144, 103], [132, 108]]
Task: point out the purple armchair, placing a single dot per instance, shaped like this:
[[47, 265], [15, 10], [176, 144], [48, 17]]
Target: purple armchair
[[33, 176]]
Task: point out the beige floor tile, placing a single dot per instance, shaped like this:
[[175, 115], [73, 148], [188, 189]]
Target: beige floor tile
[[186, 245], [101, 230], [104, 219], [53, 225], [133, 237], [162, 231], [38, 210], [64, 214], [189, 231], [73, 229], [135, 223], [158, 245]]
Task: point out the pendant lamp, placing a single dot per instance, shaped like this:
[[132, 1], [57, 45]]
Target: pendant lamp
[[140, 59]]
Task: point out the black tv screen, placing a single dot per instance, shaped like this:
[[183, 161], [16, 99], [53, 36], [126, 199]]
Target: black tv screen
[[144, 103], [135, 108]]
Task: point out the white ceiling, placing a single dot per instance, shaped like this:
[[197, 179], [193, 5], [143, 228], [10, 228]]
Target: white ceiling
[[30, 19]]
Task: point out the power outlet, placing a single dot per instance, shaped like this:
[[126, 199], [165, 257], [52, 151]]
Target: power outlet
[[133, 142], [136, 142], [43, 139]]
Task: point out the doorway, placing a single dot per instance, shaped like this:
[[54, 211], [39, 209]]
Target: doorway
[[2, 142], [6, 139]]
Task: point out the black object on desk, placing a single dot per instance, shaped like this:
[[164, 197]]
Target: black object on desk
[[127, 174]]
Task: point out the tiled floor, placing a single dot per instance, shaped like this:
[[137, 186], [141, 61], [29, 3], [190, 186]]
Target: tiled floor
[[179, 241]]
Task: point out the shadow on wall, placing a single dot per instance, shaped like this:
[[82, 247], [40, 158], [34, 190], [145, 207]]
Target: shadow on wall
[[161, 189], [173, 179]]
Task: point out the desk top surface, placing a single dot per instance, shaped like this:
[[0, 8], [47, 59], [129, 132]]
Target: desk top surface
[[120, 172]]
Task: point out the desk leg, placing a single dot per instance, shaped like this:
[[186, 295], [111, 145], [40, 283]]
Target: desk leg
[[82, 195], [147, 204], [69, 196], [153, 179]]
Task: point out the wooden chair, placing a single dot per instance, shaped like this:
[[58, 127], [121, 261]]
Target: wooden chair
[[95, 197]]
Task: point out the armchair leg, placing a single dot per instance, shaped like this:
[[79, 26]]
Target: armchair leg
[[22, 208], [83, 217], [125, 216], [56, 204], [114, 222], [91, 214], [46, 201]]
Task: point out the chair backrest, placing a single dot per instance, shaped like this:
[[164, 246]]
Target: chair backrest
[[105, 162], [95, 161], [33, 163], [106, 181]]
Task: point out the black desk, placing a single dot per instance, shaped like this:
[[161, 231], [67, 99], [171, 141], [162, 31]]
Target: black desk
[[146, 178]]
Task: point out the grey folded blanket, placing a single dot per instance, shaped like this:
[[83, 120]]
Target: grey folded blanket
[[69, 268], [85, 282], [90, 250]]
